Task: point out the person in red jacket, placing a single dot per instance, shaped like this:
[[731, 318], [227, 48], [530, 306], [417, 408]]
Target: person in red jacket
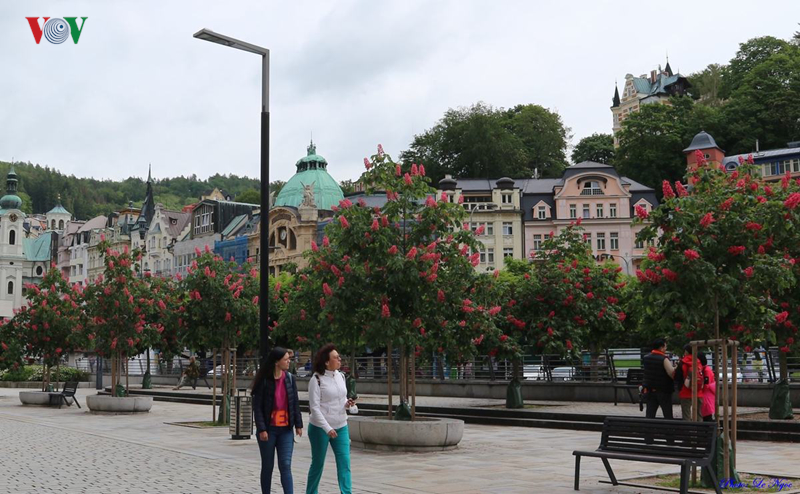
[[685, 372]]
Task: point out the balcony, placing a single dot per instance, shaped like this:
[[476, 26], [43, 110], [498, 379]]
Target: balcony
[[592, 192]]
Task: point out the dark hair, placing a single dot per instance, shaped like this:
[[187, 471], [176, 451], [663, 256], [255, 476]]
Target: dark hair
[[267, 370], [703, 359], [687, 348], [658, 343], [322, 357]]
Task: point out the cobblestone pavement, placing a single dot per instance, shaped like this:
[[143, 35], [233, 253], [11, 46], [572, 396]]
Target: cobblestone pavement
[[47, 450]]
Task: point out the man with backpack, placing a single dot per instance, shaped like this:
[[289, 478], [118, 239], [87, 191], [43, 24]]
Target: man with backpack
[[658, 385]]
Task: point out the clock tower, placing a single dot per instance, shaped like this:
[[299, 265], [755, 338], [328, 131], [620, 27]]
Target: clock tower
[[11, 255]]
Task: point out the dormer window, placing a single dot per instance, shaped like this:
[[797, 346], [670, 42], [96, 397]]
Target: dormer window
[[591, 188]]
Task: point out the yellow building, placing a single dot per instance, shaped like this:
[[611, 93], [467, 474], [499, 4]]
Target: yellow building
[[495, 206], [658, 87]]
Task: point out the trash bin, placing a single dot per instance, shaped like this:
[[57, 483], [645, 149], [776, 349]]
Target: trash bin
[[241, 423]]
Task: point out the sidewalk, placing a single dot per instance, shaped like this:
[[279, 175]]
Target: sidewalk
[[141, 453]]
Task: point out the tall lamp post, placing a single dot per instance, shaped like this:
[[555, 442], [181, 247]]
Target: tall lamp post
[[612, 256], [263, 298]]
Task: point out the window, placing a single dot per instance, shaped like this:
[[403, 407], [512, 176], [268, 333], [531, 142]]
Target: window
[[601, 241], [573, 211], [483, 256], [490, 255], [53, 223], [796, 165], [12, 237], [542, 213], [639, 244], [508, 252], [591, 189], [614, 241], [599, 210], [11, 288], [39, 271], [505, 198], [587, 237], [60, 224], [490, 228], [508, 228], [586, 212], [537, 242], [612, 210]]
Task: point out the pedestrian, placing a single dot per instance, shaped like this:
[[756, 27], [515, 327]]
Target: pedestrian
[[658, 384], [191, 373], [328, 402], [276, 408], [292, 362], [683, 379], [709, 390]]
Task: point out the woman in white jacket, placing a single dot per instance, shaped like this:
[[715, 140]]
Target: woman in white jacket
[[327, 400]]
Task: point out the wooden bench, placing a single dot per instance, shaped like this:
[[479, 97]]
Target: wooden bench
[[633, 380], [68, 391], [674, 442]]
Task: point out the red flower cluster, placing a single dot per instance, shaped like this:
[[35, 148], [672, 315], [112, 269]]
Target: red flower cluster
[[691, 254], [736, 250]]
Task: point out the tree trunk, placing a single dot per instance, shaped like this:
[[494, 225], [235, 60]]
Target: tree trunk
[[413, 386], [389, 377], [58, 374], [127, 383], [45, 376], [214, 391], [784, 366]]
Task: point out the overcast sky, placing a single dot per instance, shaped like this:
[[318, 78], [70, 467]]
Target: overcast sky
[[138, 89]]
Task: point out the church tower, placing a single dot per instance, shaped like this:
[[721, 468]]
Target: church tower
[[11, 255], [58, 218]]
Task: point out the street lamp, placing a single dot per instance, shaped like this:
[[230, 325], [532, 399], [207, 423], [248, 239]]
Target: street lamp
[[627, 266], [263, 298]]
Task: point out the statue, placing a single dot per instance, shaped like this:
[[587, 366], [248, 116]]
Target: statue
[[308, 196]]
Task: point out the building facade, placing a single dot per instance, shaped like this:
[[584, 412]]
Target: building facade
[[772, 164], [658, 87], [12, 257], [495, 210], [604, 202]]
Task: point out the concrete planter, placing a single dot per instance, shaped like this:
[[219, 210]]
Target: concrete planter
[[111, 404], [41, 398], [423, 434]]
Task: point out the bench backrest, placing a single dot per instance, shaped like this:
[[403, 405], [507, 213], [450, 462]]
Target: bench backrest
[[659, 437], [635, 376], [70, 388]]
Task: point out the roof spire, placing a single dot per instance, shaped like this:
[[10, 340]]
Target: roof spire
[[615, 100], [149, 169], [312, 149], [668, 69]]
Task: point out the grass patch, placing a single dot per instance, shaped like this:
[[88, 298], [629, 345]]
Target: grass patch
[[750, 483]]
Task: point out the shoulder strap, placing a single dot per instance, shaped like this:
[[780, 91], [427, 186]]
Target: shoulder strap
[[318, 381]]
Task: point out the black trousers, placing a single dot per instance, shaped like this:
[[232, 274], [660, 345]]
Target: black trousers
[[657, 399]]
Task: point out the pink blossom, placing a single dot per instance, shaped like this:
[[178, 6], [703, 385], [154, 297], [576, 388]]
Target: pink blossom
[[707, 219], [326, 241], [375, 225], [407, 179], [691, 254], [736, 250], [440, 296], [385, 311], [792, 201], [748, 271], [414, 169], [641, 212], [397, 170], [431, 202], [667, 189], [392, 250], [422, 170], [344, 222], [367, 164], [782, 317], [412, 253], [327, 290], [480, 230]]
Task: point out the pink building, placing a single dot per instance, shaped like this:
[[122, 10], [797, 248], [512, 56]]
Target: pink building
[[603, 200]]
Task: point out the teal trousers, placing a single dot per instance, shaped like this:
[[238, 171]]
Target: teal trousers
[[319, 448]]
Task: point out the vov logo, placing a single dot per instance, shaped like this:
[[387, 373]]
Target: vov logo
[[56, 30]]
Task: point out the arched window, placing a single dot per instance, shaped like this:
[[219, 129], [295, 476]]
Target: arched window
[[60, 224], [53, 223], [11, 288], [12, 237]]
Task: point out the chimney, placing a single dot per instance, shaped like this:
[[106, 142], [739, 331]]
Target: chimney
[[652, 76]]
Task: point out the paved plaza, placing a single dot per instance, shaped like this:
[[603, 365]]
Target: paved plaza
[[73, 451]]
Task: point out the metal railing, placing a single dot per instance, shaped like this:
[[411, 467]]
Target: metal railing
[[611, 366]]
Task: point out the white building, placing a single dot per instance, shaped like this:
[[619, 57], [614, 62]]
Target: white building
[[12, 258]]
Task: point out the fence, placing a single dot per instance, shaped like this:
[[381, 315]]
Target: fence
[[610, 366]]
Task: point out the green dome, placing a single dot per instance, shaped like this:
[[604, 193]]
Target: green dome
[[11, 200], [311, 169]]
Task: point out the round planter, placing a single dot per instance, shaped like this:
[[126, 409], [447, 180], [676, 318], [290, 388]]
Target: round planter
[[111, 404], [423, 434], [41, 398]]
